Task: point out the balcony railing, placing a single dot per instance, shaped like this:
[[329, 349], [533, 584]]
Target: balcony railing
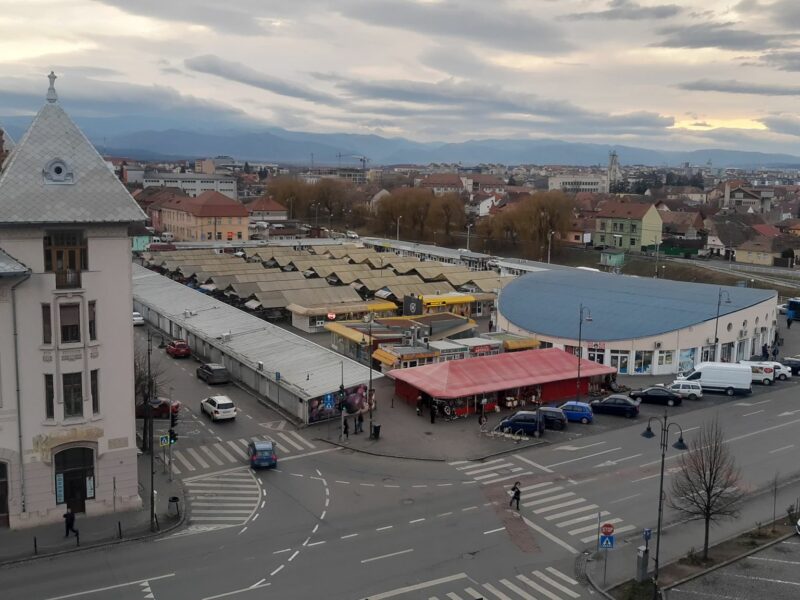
[[68, 279]]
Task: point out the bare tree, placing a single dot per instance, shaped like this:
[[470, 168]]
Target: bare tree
[[141, 382], [706, 487]]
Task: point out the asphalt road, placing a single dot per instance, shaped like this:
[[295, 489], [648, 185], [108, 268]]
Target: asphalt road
[[337, 524]]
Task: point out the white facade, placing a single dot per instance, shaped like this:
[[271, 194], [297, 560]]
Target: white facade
[[192, 183], [578, 182]]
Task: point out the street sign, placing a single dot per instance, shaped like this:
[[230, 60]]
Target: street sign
[[607, 529], [163, 440], [607, 542], [329, 401], [331, 316], [647, 533]]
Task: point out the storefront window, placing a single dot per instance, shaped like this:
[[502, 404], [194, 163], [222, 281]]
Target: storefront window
[[666, 357], [643, 362], [74, 470], [686, 362], [619, 359], [597, 355], [727, 352]]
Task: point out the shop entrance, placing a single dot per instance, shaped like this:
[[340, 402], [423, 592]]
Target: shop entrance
[[75, 478], [3, 494]]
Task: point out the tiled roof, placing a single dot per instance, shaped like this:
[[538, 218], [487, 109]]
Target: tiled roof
[[94, 196], [442, 179], [155, 196], [207, 204], [623, 210], [767, 229], [10, 267], [265, 204]]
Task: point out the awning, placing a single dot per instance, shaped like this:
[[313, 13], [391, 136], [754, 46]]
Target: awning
[[337, 309], [252, 304], [384, 357], [494, 373], [354, 335], [381, 306], [527, 344]]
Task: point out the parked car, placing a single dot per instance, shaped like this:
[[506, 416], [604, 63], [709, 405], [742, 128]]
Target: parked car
[[763, 371], [793, 362], [782, 372], [178, 349], [138, 319], [160, 409], [218, 407], [554, 418], [579, 412], [262, 454], [213, 373], [782, 308], [657, 395], [687, 389], [721, 377], [523, 421], [616, 404]]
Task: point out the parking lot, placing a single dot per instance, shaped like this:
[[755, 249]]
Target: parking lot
[[771, 574]]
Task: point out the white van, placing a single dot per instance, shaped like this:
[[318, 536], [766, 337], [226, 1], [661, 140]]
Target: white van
[[763, 371], [168, 236], [721, 377]]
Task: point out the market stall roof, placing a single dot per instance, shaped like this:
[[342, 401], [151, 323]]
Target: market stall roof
[[485, 374]]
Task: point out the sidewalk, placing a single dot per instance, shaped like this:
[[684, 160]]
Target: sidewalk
[[18, 544]]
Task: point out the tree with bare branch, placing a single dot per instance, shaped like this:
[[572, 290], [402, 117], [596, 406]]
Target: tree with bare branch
[[141, 381], [706, 487]]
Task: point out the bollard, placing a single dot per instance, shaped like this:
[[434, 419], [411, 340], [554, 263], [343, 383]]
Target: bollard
[[119, 528], [35, 546]]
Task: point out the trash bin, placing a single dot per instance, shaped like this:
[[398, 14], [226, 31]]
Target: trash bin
[[376, 431], [174, 500]]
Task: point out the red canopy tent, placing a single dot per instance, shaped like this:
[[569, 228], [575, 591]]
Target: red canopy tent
[[553, 369]]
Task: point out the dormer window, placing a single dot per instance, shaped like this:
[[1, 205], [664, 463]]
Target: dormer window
[[58, 172]]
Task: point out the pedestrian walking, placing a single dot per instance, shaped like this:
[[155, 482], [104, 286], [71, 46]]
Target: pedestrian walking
[[360, 423], [789, 323], [433, 412], [346, 428], [775, 352], [764, 352], [491, 326], [515, 495], [69, 522]]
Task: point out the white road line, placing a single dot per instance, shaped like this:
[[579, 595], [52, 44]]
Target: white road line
[[237, 449], [515, 588], [374, 558], [753, 413], [556, 584], [475, 595], [616, 461], [576, 448], [388, 485], [205, 519], [344, 482], [384, 528], [494, 530], [221, 449], [457, 462], [416, 521], [278, 445], [551, 490], [418, 586], [316, 543], [500, 595], [437, 485], [487, 462], [222, 511], [302, 439], [686, 429], [781, 581], [213, 485], [625, 498], [624, 529], [592, 527], [646, 478], [263, 502], [559, 574], [292, 557], [572, 460], [243, 530], [506, 478], [533, 464], [486, 476], [212, 456], [491, 468], [775, 560], [549, 499], [546, 509], [289, 440], [351, 535], [569, 513], [276, 571], [255, 585], [367, 484], [424, 485], [114, 587], [177, 454], [549, 535], [196, 455], [469, 508], [789, 447], [535, 486], [453, 596], [604, 513], [444, 514], [538, 588], [234, 592]]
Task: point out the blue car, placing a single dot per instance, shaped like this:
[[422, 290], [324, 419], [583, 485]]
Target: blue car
[[262, 454], [578, 412]]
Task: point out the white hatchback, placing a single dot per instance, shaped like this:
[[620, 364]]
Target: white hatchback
[[218, 407]]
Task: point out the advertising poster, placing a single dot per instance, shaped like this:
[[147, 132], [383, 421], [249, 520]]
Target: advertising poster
[[59, 488], [327, 406], [686, 361]]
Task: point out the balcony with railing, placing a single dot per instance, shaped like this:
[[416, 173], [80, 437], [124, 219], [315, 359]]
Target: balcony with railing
[[69, 279]]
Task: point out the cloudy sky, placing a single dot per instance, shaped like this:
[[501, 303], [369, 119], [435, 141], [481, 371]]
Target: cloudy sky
[[653, 73]]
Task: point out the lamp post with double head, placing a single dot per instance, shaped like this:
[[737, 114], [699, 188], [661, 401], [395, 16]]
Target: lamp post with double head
[[584, 314], [665, 426], [720, 294]]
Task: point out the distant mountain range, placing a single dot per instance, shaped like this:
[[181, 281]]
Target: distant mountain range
[[331, 149]]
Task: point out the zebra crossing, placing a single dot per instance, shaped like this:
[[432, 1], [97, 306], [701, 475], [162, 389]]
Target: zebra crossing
[[223, 454], [546, 502], [222, 500]]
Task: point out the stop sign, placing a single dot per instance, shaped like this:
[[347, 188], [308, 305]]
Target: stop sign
[[607, 529]]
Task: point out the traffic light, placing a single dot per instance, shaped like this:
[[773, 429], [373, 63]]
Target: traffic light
[[173, 437], [173, 418], [341, 397]]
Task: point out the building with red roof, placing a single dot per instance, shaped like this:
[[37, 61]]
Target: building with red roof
[[208, 216]]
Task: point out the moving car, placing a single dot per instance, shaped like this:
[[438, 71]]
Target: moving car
[[160, 409], [721, 377], [657, 395], [691, 390], [579, 412], [616, 404], [218, 408], [782, 308], [262, 454], [793, 363], [178, 349], [138, 319], [213, 373]]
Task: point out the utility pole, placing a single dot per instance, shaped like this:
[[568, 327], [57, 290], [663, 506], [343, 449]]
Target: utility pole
[[150, 391], [549, 245], [469, 228]]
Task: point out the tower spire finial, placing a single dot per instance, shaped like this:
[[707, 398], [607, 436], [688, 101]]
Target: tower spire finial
[[52, 96]]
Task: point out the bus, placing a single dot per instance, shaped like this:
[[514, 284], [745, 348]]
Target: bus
[[793, 309]]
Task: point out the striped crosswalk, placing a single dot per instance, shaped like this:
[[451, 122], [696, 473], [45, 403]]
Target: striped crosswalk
[[189, 460], [223, 500], [546, 502]]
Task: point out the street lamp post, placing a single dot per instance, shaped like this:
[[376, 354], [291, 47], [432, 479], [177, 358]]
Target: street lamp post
[[549, 245], [368, 347], [716, 321], [469, 228], [679, 445], [397, 236], [584, 314]]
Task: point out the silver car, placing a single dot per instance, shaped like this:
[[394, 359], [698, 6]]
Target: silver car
[[689, 390], [218, 408]]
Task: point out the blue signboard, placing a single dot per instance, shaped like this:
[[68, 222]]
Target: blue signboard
[[647, 533], [59, 488], [329, 401], [607, 542]]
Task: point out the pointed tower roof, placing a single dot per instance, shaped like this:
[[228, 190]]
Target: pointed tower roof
[[55, 175]]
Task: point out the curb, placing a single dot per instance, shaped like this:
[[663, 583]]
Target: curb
[[139, 538], [397, 456], [596, 587]]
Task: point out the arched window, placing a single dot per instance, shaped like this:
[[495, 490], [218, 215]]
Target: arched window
[[74, 470]]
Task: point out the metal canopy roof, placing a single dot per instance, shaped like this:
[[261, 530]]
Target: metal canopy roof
[[622, 307], [306, 368]]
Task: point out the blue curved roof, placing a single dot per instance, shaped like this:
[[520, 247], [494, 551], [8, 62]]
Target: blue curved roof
[[622, 307]]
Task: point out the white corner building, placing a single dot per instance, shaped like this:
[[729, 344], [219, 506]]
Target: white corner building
[[67, 428]]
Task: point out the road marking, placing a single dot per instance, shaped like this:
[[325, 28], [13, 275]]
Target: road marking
[[776, 560], [387, 485], [297, 474], [221, 449], [257, 584], [374, 558], [237, 449], [549, 535], [538, 588], [753, 413], [604, 513], [302, 440], [686, 430], [416, 521], [344, 482], [177, 454], [506, 478], [453, 596], [196, 455], [475, 595], [469, 508], [322, 516], [539, 511], [290, 441], [367, 484], [457, 462], [488, 462], [550, 490], [576, 448], [569, 513], [561, 575], [294, 456], [234, 592], [494, 530], [243, 530], [315, 528], [487, 476], [533, 464], [114, 587], [548, 499], [564, 462], [384, 528], [592, 527], [535, 486], [418, 586], [500, 595], [781, 449], [491, 468], [257, 515], [767, 579], [445, 514], [612, 463], [292, 557], [316, 543], [515, 588], [420, 486], [276, 571], [263, 502], [557, 585], [348, 536], [437, 485], [282, 551], [625, 498], [645, 478], [752, 403]]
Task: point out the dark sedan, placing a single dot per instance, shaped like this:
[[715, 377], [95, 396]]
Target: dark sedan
[[616, 404], [793, 362], [657, 395]]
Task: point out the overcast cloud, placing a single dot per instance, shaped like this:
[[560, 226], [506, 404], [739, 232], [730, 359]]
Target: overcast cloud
[[654, 73]]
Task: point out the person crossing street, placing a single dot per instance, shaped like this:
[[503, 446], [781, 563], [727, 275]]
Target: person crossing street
[[515, 494]]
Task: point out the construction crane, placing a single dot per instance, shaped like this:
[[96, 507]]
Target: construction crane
[[363, 159]]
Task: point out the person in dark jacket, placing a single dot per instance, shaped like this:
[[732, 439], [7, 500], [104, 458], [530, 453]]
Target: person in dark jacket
[[360, 423], [69, 522], [515, 494], [346, 428], [764, 352]]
